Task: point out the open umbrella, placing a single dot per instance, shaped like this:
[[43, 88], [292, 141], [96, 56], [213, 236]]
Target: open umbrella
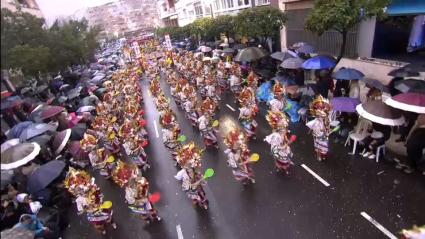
[[40, 89], [292, 63], [99, 92], [345, 104], [410, 85], [378, 112], [281, 56], [36, 129], [228, 50], [403, 72], [35, 114], [11, 102], [77, 132], [9, 143], [44, 175], [89, 100], [19, 155], [50, 111], [60, 140], [73, 93], [376, 84], [204, 49], [306, 49], [17, 233], [64, 87], [413, 102], [17, 130], [250, 54], [348, 74], [239, 46], [86, 108], [298, 45], [319, 62], [74, 147]]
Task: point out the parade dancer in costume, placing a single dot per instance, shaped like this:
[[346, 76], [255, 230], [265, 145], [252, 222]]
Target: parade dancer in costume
[[211, 90], [205, 121], [278, 140], [137, 197], [101, 217], [320, 127], [190, 110], [278, 103], [189, 158], [248, 111], [238, 156], [222, 76]]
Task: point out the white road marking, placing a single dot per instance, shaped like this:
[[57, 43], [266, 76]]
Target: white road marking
[[378, 225], [179, 232], [156, 129], [230, 107], [315, 175]]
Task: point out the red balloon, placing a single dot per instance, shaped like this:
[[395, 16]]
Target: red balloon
[[145, 143], [155, 197], [293, 138], [142, 123]]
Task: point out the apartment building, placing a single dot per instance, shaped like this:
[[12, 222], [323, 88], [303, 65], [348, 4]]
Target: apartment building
[[29, 6], [183, 12], [124, 17]]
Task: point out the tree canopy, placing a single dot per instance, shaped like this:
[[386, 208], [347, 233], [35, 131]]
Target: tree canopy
[[342, 16], [257, 22], [27, 44]]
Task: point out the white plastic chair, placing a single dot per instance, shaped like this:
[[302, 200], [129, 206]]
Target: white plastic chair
[[358, 134]]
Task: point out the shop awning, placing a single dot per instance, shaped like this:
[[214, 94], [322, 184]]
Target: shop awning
[[406, 7]]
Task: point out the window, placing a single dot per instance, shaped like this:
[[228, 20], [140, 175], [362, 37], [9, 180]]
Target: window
[[246, 2], [208, 10], [184, 13], [240, 2], [263, 2], [198, 9], [216, 5], [229, 3]]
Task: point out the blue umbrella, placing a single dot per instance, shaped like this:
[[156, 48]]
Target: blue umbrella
[[17, 130], [44, 175], [348, 74], [319, 62], [306, 49]]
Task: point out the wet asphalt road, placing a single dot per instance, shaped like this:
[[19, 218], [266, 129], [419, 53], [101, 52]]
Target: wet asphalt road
[[276, 206]]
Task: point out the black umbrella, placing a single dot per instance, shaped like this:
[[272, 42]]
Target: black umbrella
[[36, 129], [44, 175], [403, 72], [376, 84], [239, 46], [77, 132], [410, 85]]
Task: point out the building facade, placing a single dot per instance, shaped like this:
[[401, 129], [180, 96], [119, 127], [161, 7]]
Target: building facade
[[183, 12], [121, 18], [29, 6]]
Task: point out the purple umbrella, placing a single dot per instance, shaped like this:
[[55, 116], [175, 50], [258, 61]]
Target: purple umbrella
[[345, 104], [413, 102]]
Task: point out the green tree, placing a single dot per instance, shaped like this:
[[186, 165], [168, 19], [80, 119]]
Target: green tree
[[19, 28], [28, 44], [342, 16], [262, 22], [30, 59], [224, 24]]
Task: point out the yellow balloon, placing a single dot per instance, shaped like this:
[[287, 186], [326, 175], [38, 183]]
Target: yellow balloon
[[215, 123], [255, 157]]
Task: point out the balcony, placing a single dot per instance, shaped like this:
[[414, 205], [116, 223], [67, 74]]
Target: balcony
[[168, 13]]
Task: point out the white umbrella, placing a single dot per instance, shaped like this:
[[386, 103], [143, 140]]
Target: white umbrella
[[19, 155]]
